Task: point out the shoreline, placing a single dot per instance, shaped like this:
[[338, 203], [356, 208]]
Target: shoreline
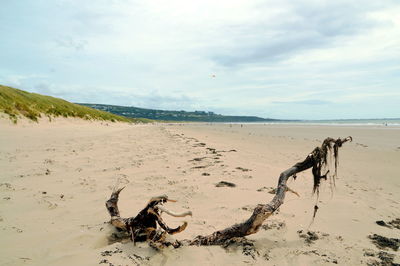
[[309, 123]]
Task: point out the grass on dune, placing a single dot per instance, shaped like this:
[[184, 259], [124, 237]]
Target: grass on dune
[[17, 103]]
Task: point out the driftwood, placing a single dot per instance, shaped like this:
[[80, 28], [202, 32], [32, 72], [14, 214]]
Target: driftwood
[[318, 159], [144, 225]]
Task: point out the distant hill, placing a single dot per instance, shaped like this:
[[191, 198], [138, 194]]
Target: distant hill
[[18, 103], [197, 116]]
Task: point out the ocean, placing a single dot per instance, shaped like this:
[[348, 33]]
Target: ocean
[[389, 122]]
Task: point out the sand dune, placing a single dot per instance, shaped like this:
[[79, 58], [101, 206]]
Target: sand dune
[[55, 178]]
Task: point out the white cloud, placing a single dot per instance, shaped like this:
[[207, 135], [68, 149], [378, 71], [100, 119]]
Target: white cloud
[[271, 58]]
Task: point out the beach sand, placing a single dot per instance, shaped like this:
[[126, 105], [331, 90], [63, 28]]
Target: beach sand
[[55, 178]]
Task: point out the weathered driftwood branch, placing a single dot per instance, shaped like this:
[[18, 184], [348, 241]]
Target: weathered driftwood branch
[[318, 159], [143, 227]]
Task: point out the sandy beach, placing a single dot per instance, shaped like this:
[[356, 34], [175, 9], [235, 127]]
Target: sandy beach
[[55, 178]]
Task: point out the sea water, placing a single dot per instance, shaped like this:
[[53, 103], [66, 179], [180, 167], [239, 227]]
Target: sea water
[[388, 122]]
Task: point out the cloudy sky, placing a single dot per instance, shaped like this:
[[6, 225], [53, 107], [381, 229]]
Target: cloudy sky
[[276, 58]]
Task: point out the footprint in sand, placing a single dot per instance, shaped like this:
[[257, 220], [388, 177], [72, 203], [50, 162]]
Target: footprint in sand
[[123, 179], [212, 150], [201, 144], [155, 178], [243, 169], [274, 224], [6, 186], [197, 159], [50, 205], [270, 190], [225, 184], [200, 167], [18, 230], [48, 161], [362, 145], [310, 236], [88, 184]]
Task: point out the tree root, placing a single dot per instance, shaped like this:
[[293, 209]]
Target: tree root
[[143, 227]]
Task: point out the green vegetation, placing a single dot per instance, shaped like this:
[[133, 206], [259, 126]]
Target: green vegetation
[[196, 116], [18, 103]]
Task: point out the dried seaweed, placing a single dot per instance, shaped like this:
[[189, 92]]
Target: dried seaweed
[[329, 148]]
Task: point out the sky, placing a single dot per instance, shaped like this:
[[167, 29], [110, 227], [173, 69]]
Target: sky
[[275, 59]]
